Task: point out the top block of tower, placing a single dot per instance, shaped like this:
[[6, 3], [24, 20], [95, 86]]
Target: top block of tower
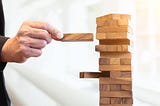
[[114, 17]]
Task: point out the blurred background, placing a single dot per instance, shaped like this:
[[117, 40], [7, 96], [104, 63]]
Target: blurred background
[[53, 79]]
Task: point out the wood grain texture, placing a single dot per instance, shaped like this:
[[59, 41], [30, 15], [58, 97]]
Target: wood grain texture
[[104, 101], [94, 74], [109, 61], [112, 48], [113, 17], [121, 74], [77, 37], [121, 100], [126, 87], [115, 55], [125, 61], [119, 94], [108, 29], [116, 22], [115, 87], [104, 87], [115, 68], [116, 105], [104, 36], [115, 81], [115, 42]]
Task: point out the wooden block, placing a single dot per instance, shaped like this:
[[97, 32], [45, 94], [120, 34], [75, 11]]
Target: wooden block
[[115, 87], [94, 74], [120, 94], [104, 36], [104, 101], [115, 42], [126, 87], [122, 74], [121, 101], [125, 61], [127, 101], [116, 100], [117, 105], [115, 55], [115, 81], [107, 29], [104, 87], [77, 37], [115, 67], [112, 48], [116, 22], [114, 17], [108, 61]]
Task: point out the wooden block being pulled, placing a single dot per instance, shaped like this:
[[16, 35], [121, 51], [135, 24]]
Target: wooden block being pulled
[[114, 17], [115, 68], [77, 37], [121, 94], [112, 48], [115, 81], [116, 22], [121, 35], [115, 55], [107, 29], [94, 74], [115, 42], [108, 61]]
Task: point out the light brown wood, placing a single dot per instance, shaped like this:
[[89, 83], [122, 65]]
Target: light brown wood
[[125, 61], [121, 101], [113, 48], [119, 74], [115, 55], [104, 101], [117, 105], [117, 22], [115, 42], [126, 87], [115, 67], [115, 81], [108, 61], [104, 36], [94, 74], [113, 17], [77, 37], [107, 29], [115, 87], [104, 87], [120, 94]]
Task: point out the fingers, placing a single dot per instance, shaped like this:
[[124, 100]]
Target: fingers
[[32, 52], [34, 43], [55, 33], [40, 34]]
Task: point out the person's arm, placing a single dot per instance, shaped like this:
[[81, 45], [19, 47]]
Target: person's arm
[[29, 41]]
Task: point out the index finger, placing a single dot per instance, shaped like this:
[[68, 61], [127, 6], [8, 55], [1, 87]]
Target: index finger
[[55, 33]]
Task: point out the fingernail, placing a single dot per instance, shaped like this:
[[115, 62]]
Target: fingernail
[[60, 35]]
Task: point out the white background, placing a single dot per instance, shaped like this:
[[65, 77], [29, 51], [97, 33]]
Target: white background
[[53, 78]]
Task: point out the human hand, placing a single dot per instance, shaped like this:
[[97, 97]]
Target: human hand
[[29, 41]]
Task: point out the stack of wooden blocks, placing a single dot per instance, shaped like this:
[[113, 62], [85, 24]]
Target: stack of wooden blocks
[[115, 76]]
